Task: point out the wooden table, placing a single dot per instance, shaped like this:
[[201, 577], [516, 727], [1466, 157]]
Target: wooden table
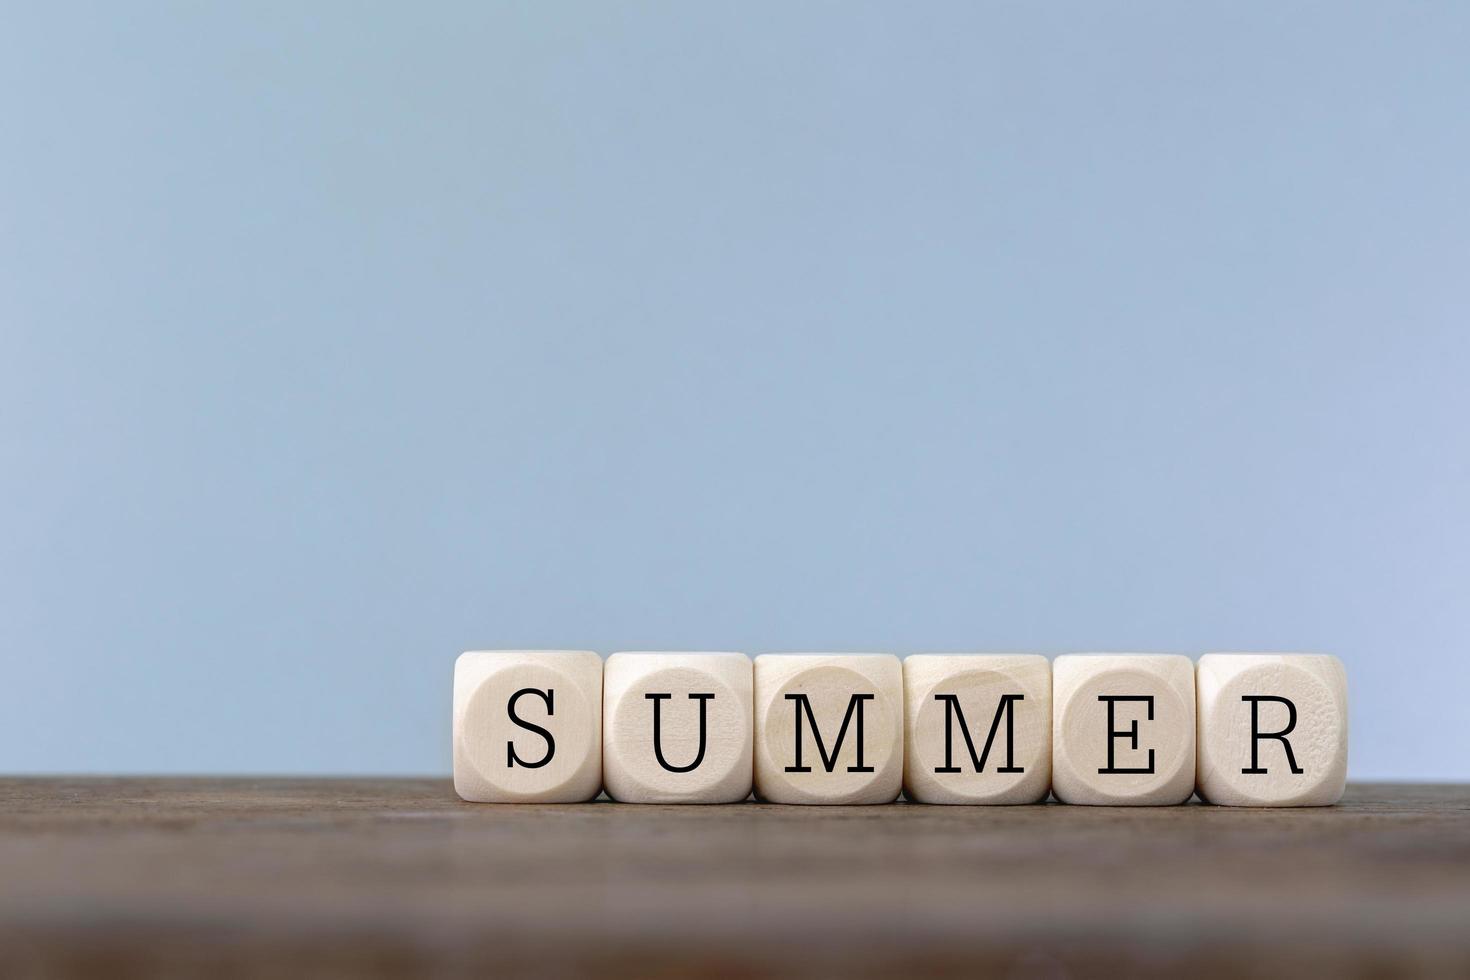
[[323, 877]]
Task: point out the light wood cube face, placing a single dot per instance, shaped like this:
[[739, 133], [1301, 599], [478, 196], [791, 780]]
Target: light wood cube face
[[677, 727], [828, 728], [528, 726], [1273, 729], [977, 728], [1123, 729]]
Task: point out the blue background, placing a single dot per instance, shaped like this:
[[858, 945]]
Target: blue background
[[338, 338]]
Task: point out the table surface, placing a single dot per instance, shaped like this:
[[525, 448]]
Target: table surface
[[388, 877]]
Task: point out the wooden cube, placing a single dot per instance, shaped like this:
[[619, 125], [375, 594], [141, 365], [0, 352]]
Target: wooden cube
[[1273, 729], [1123, 729], [828, 728], [977, 728], [528, 726], [677, 727]]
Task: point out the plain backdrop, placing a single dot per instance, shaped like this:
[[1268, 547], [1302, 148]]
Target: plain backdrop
[[337, 338]]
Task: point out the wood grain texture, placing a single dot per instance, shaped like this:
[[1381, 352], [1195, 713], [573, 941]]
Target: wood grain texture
[[239, 877]]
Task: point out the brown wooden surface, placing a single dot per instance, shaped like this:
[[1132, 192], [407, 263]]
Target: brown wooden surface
[[276, 877]]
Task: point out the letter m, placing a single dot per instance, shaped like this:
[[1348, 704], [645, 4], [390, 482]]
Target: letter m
[[854, 706], [953, 713]]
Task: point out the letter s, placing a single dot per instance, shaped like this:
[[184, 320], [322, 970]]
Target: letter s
[[512, 760]]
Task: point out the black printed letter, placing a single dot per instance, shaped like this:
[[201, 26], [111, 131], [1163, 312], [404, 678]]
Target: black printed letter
[[1257, 734], [512, 760], [855, 703], [658, 747], [1131, 733], [952, 712]]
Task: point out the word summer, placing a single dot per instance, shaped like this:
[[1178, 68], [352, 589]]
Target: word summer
[[560, 726]]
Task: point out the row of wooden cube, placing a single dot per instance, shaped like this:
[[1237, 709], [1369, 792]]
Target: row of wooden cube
[[557, 726]]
